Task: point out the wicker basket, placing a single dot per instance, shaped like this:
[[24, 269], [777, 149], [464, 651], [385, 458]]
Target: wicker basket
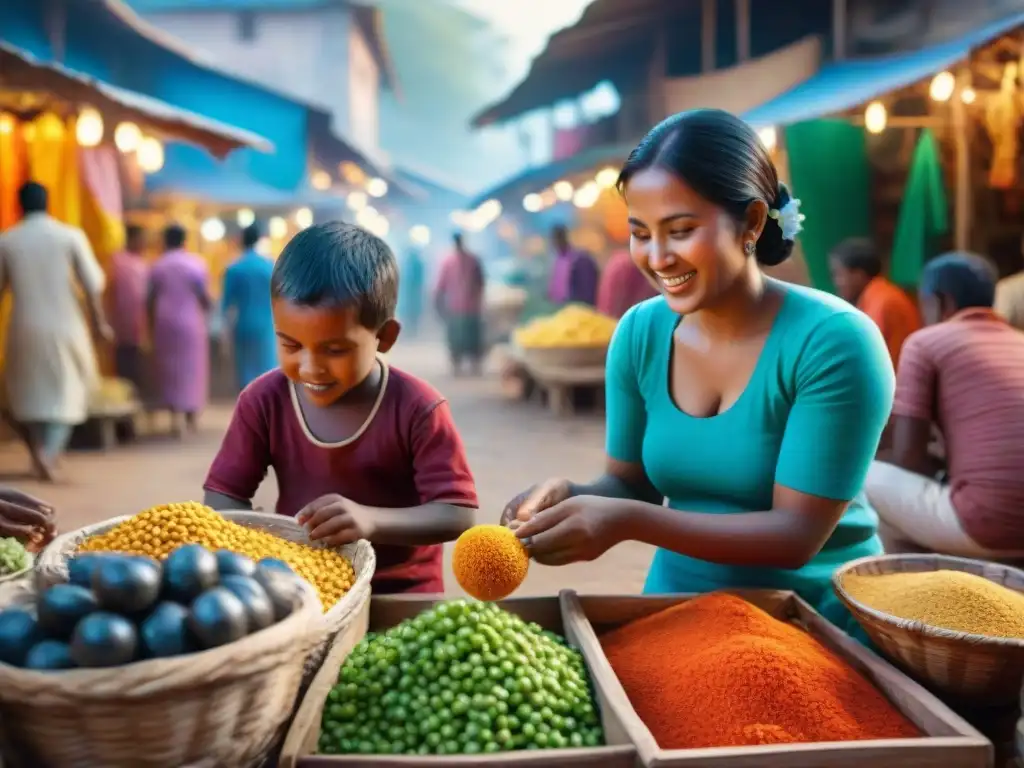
[[225, 707], [52, 568], [564, 357], [973, 668]]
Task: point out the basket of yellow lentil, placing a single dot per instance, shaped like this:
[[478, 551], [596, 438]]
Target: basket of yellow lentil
[[955, 624], [224, 706], [340, 577]]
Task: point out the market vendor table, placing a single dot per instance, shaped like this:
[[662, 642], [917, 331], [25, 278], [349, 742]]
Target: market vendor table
[[558, 384], [106, 426]]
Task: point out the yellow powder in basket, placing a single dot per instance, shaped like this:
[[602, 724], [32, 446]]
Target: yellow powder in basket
[[953, 600]]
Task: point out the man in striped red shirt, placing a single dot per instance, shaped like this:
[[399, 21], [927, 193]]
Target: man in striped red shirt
[[964, 375]]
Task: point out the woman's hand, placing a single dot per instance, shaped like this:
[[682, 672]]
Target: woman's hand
[[535, 499], [26, 518], [580, 528]]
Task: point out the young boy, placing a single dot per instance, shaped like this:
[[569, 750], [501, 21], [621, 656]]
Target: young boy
[[360, 450]]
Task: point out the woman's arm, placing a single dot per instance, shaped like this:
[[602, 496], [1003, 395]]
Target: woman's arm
[[843, 393]]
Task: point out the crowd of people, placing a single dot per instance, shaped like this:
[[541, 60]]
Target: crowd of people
[[788, 430]]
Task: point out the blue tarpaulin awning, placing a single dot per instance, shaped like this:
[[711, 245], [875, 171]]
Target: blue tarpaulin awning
[[191, 173], [538, 177], [847, 84]]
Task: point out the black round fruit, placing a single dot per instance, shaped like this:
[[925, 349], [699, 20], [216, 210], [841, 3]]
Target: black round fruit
[[231, 563], [128, 585], [276, 564], [62, 606], [217, 617], [49, 655], [19, 631], [104, 640], [188, 572], [165, 632], [258, 608], [81, 567], [281, 587]]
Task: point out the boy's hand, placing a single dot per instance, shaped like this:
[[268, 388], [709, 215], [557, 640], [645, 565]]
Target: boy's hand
[[335, 520]]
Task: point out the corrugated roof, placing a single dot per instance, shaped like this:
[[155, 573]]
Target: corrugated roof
[[847, 84], [611, 41], [21, 71]]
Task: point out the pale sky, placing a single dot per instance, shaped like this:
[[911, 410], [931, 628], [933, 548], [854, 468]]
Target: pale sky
[[528, 23]]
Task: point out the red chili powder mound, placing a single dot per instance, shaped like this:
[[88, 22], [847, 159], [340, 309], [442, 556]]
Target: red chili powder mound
[[717, 671]]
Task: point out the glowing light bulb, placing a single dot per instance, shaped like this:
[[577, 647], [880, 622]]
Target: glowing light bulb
[[875, 117], [150, 155], [277, 227], [376, 187], [356, 200], [127, 137], [968, 96], [245, 217], [420, 235], [533, 202], [212, 230], [607, 177], [304, 218], [89, 128], [942, 86], [563, 190], [769, 137]]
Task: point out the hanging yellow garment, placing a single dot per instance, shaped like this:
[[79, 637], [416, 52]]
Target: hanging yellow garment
[[12, 170]]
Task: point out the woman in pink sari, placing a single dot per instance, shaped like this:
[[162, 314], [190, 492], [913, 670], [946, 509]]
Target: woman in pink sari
[[178, 304]]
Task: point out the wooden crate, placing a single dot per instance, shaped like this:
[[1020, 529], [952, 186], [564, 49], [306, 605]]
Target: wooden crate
[[948, 741], [558, 614]]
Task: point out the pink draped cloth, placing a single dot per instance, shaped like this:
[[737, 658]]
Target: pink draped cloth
[[460, 286], [180, 335], [128, 285]]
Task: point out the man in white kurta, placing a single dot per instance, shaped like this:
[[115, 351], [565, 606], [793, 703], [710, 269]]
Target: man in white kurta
[[50, 365]]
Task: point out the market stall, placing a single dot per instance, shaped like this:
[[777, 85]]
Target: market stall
[[91, 144], [921, 147], [180, 635]]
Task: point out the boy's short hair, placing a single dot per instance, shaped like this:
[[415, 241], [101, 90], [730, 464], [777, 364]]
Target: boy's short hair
[[338, 264]]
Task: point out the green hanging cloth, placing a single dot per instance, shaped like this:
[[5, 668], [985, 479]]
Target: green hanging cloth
[[830, 174], [924, 214]]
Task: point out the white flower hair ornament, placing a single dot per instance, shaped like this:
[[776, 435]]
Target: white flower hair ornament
[[789, 217]]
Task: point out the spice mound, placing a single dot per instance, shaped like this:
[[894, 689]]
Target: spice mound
[[160, 530], [717, 671], [489, 562], [952, 600]]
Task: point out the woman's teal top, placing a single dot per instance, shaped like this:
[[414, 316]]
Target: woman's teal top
[[809, 419]]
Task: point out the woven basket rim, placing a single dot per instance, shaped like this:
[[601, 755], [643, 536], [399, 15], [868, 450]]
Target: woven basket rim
[[914, 627], [269, 638]]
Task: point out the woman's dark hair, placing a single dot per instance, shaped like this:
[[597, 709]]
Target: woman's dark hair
[[967, 279], [724, 161], [858, 254], [174, 236], [335, 264], [32, 197]]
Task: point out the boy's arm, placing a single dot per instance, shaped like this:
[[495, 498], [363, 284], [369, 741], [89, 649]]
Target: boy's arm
[[222, 502], [243, 459]]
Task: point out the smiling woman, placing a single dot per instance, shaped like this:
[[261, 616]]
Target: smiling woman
[[753, 406]]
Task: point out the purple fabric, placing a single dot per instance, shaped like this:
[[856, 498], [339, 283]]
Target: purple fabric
[[180, 336], [574, 278], [558, 287]]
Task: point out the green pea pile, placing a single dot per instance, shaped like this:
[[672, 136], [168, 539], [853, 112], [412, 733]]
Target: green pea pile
[[460, 678], [13, 557]]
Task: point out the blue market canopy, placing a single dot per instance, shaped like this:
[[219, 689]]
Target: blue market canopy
[[192, 174], [535, 179], [847, 84], [29, 85]]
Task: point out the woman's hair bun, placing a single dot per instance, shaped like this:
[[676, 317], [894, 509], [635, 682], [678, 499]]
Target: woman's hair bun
[[772, 247]]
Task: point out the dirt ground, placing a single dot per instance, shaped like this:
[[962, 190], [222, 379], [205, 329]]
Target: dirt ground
[[510, 445]]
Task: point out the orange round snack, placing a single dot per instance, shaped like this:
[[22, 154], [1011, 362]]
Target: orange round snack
[[490, 562]]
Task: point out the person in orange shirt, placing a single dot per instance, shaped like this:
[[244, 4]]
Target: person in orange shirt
[[856, 271]]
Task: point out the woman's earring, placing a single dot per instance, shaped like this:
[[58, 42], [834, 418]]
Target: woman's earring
[[749, 248]]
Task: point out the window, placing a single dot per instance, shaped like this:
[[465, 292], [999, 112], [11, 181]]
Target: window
[[247, 26]]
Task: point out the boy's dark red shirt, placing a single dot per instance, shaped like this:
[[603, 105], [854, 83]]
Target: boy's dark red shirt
[[408, 453]]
